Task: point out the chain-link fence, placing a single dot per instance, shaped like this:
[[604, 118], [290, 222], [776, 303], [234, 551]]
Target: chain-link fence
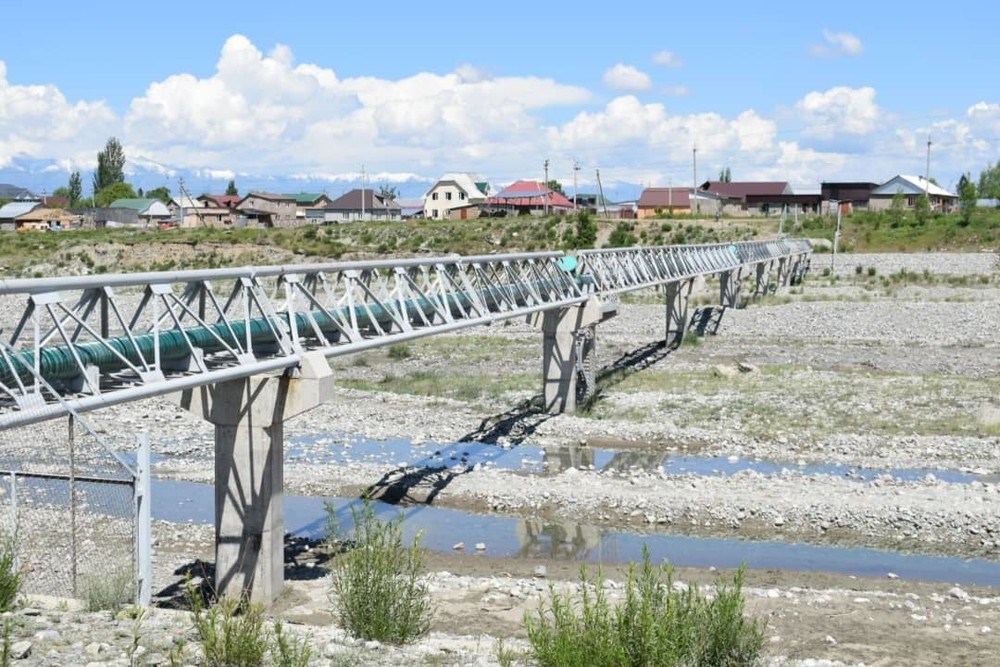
[[68, 503]]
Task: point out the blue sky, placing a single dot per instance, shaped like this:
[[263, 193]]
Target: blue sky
[[307, 92]]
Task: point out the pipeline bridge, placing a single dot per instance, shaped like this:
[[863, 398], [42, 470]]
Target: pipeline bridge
[[248, 348]]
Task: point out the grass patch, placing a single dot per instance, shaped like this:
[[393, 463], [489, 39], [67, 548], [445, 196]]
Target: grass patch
[[462, 387], [376, 584], [11, 576], [108, 590], [777, 399], [656, 624]]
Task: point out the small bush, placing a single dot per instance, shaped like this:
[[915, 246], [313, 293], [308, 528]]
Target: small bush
[[232, 632], [11, 578], [400, 351], [655, 624], [871, 271], [858, 269], [376, 584], [287, 651]]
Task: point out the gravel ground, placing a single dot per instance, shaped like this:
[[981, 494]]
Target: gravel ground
[[859, 372]]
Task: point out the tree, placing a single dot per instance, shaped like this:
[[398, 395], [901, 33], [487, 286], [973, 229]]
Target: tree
[[75, 188], [922, 208], [966, 198], [110, 165], [555, 186], [231, 189], [162, 193], [104, 197], [989, 182], [725, 176], [896, 209], [388, 192]]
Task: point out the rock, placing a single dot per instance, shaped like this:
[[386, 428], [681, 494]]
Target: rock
[[20, 650], [458, 546], [724, 371], [745, 367], [892, 575], [831, 641], [958, 593], [541, 571], [779, 520], [480, 546]]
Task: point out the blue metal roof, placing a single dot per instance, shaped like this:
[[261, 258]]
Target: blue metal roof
[[16, 208]]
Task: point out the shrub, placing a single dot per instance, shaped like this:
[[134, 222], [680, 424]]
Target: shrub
[[400, 351], [232, 632], [376, 584], [655, 624], [11, 578], [871, 271]]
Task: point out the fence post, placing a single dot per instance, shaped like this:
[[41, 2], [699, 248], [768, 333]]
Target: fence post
[[72, 503], [15, 543], [143, 527]]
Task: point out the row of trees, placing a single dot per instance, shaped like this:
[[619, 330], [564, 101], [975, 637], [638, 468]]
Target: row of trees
[[109, 182]]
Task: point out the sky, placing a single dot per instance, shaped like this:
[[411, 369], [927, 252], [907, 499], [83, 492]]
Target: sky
[[304, 95]]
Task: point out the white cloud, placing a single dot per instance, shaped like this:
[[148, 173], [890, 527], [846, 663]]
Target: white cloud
[[837, 111], [627, 78], [262, 112], [676, 91], [837, 44], [38, 121], [667, 59]]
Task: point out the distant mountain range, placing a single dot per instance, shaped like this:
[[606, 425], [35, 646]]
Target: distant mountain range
[[43, 176]]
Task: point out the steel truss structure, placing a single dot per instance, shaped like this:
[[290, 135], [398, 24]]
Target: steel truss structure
[[109, 339]]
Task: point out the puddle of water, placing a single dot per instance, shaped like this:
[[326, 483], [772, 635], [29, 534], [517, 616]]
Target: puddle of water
[[506, 537], [327, 449]]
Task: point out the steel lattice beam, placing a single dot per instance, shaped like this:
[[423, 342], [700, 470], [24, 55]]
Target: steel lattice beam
[[109, 339]]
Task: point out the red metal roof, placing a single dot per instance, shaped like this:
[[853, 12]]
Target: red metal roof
[[665, 198], [529, 193], [739, 190]]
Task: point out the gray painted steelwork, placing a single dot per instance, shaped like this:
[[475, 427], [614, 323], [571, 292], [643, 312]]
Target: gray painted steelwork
[[109, 339]]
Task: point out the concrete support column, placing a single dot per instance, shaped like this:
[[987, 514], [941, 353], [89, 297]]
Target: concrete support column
[[763, 270], [559, 333], [677, 295], [783, 271], [249, 416], [729, 288]]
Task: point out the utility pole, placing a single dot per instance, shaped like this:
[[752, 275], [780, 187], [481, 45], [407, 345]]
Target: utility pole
[[362, 192], [576, 168], [694, 176], [927, 174], [600, 190], [545, 192]]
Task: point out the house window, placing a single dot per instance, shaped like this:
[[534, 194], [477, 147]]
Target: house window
[[434, 196], [461, 195], [434, 212], [447, 196]]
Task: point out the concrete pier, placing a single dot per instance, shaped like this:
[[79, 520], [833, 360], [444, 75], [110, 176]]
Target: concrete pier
[[559, 330], [249, 416], [677, 296], [729, 288]]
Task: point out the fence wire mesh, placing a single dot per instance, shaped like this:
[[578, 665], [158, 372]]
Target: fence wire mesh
[[67, 504]]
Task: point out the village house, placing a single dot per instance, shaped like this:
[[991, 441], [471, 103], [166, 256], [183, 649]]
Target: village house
[[456, 196], [263, 209]]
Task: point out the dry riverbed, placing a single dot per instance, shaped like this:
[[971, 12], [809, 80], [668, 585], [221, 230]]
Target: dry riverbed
[[861, 411]]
